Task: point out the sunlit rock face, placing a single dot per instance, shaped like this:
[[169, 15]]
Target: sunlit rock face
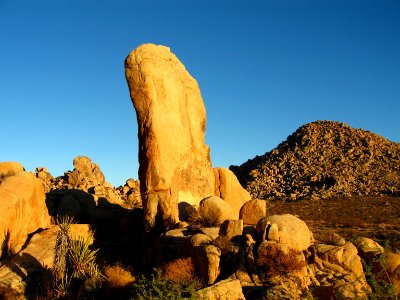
[[22, 209], [175, 163]]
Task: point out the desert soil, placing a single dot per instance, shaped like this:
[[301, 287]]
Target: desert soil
[[374, 217]]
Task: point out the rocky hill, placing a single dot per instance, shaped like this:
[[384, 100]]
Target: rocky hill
[[324, 159]]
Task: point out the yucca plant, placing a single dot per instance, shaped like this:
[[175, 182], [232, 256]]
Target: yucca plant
[[63, 244], [61, 289], [73, 259], [82, 259]]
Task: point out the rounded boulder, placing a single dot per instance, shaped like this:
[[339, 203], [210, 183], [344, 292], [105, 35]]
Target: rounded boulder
[[285, 229]]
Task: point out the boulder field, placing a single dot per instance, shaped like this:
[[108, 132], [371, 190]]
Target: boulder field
[[324, 159]]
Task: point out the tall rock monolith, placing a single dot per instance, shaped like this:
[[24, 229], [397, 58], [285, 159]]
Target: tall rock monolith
[[175, 163]]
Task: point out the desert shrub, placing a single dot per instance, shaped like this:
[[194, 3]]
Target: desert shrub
[[181, 271], [210, 218], [159, 287], [118, 277], [276, 262], [378, 278], [3, 176]]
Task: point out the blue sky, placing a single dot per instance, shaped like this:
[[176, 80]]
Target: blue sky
[[264, 69]]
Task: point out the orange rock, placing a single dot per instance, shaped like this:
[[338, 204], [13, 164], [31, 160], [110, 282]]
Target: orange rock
[[22, 208], [174, 160]]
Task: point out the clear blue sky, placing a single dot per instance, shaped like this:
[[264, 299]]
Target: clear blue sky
[[264, 69]]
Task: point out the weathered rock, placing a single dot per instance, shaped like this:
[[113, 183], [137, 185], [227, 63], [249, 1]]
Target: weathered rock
[[86, 173], [228, 188], [68, 202], [368, 249], [212, 232], [86, 177], [207, 258], [215, 209], [199, 239], [173, 168], [285, 229], [22, 208], [9, 168], [324, 159], [340, 267], [130, 193], [174, 243], [46, 178], [229, 289], [231, 228], [252, 211], [331, 238]]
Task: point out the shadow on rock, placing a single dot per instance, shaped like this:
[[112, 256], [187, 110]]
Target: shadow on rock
[[117, 230]]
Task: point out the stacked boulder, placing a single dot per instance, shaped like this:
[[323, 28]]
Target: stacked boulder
[[130, 193], [324, 159], [86, 176]]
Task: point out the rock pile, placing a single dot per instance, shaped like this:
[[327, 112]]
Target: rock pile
[[277, 253], [86, 177], [321, 160]]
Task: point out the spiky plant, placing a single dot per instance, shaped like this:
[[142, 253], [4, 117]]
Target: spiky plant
[[63, 244], [82, 259]]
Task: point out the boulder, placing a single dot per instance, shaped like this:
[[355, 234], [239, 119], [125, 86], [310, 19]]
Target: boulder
[[22, 208], [212, 232], [10, 168], [228, 188], [46, 178], [368, 249], [216, 210], [341, 268], [69, 202], [207, 258], [174, 243], [252, 211], [228, 289], [175, 163], [86, 173], [199, 239], [285, 229], [231, 228]]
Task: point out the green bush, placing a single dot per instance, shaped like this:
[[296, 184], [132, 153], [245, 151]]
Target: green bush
[[378, 279], [158, 287]]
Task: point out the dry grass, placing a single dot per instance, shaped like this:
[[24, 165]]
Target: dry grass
[[118, 277], [181, 270], [276, 262]]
